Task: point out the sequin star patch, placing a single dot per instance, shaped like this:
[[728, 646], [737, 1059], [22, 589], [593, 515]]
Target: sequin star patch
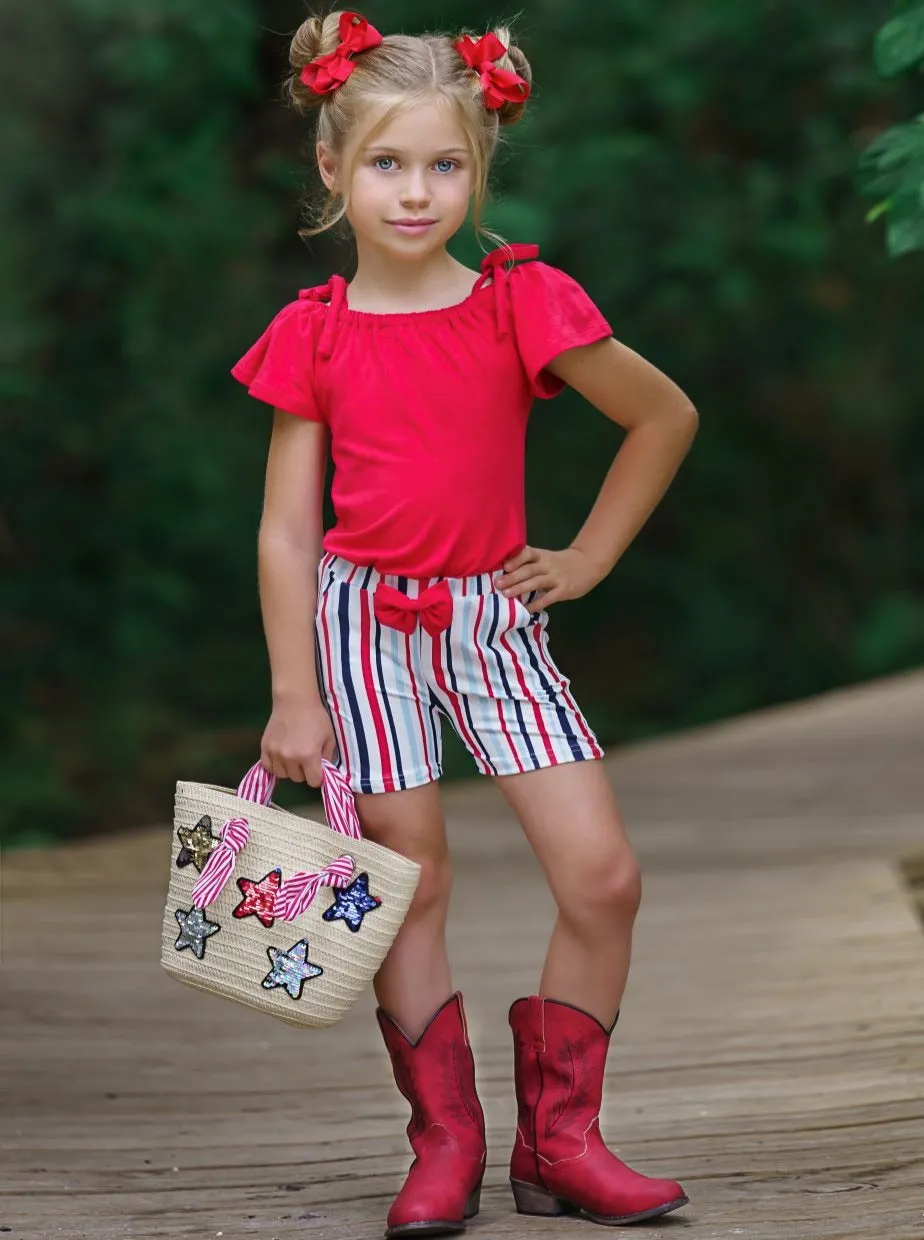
[[352, 903], [195, 928], [290, 969], [198, 842], [259, 897]]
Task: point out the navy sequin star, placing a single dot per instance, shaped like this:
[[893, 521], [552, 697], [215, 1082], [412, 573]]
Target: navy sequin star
[[352, 903]]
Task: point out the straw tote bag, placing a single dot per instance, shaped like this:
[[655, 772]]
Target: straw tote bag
[[274, 911]]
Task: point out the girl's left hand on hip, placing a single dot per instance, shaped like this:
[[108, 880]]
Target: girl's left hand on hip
[[559, 575]]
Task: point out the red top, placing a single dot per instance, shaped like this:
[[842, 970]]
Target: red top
[[427, 410]]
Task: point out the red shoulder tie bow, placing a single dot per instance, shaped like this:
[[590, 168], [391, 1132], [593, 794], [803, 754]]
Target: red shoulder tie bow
[[500, 86], [398, 611], [325, 73]]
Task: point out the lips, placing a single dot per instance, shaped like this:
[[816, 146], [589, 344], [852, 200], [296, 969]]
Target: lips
[[412, 226]]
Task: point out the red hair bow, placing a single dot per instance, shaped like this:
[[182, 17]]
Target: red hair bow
[[325, 73], [500, 86]]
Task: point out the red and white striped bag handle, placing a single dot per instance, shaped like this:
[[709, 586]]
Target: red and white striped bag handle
[[297, 892]]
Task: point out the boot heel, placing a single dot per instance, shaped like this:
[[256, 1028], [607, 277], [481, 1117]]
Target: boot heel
[[473, 1205], [533, 1199]]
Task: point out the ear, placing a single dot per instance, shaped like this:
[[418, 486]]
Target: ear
[[327, 165]]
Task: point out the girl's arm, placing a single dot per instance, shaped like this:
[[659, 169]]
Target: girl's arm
[[289, 551], [661, 423]]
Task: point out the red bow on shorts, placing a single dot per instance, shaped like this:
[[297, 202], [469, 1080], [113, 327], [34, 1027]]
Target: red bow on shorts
[[434, 606], [325, 73], [500, 86]]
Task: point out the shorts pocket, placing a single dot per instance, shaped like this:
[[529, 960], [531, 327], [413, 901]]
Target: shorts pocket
[[526, 616]]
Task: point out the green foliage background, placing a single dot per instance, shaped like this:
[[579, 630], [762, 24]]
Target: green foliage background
[[692, 163]]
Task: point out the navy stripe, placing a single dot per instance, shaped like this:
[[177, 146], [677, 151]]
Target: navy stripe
[[574, 743], [524, 731], [343, 617]]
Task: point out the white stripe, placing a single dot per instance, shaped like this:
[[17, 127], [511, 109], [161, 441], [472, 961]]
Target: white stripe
[[361, 598], [331, 690], [467, 669], [397, 686], [362, 716], [415, 745]]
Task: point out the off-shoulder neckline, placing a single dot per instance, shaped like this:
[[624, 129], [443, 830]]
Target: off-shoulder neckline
[[478, 288], [494, 271]]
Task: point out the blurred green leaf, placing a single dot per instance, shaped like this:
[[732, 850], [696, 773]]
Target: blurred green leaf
[[899, 44]]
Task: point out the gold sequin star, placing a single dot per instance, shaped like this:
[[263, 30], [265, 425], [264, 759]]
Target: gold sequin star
[[198, 841]]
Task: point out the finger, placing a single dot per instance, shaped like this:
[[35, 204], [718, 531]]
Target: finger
[[271, 764], [517, 561], [530, 581], [312, 773], [293, 769], [543, 601], [519, 582]]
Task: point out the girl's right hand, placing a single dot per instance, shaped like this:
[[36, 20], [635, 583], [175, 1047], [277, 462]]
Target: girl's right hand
[[299, 734]]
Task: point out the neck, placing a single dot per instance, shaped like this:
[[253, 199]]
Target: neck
[[384, 281]]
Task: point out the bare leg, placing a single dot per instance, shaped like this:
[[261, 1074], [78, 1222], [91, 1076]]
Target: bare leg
[[572, 821], [414, 979]]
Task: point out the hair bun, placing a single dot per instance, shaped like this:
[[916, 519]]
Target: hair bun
[[509, 113], [317, 36]]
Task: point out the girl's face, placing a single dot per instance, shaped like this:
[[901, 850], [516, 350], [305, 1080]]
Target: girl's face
[[411, 184]]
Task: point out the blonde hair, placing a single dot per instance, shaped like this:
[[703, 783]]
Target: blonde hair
[[403, 71]]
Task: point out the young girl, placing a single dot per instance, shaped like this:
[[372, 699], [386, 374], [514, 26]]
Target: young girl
[[425, 599]]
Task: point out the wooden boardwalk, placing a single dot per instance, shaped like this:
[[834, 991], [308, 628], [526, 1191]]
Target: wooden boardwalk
[[770, 1055]]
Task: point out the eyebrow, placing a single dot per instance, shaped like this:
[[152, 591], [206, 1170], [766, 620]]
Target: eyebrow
[[393, 150]]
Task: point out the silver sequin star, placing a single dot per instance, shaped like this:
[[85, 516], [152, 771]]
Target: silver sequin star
[[195, 928], [291, 969]]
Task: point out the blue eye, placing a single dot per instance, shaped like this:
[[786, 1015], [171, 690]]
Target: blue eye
[[384, 159], [445, 165]]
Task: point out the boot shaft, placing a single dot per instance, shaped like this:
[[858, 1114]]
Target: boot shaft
[[436, 1074], [559, 1061]]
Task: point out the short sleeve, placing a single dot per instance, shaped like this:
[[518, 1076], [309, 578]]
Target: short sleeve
[[551, 313], [279, 367]]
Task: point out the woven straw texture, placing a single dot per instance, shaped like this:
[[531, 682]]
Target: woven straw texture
[[235, 959]]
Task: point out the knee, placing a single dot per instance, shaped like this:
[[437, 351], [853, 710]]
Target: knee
[[433, 887], [608, 893]]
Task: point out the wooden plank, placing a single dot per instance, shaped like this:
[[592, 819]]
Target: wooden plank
[[769, 1055]]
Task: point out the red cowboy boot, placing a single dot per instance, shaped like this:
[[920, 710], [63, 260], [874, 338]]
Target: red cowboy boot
[[436, 1074], [560, 1164]]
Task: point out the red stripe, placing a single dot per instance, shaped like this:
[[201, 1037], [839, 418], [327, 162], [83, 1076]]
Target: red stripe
[[477, 644], [453, 702], [331, 691], [378, 722]]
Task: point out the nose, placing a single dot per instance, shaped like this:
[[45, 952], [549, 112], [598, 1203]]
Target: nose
[[415, 189]]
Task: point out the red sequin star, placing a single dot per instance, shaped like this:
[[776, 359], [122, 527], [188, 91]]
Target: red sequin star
[[259, 897]]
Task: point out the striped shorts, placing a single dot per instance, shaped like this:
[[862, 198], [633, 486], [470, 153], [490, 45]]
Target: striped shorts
[[488, 671]]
